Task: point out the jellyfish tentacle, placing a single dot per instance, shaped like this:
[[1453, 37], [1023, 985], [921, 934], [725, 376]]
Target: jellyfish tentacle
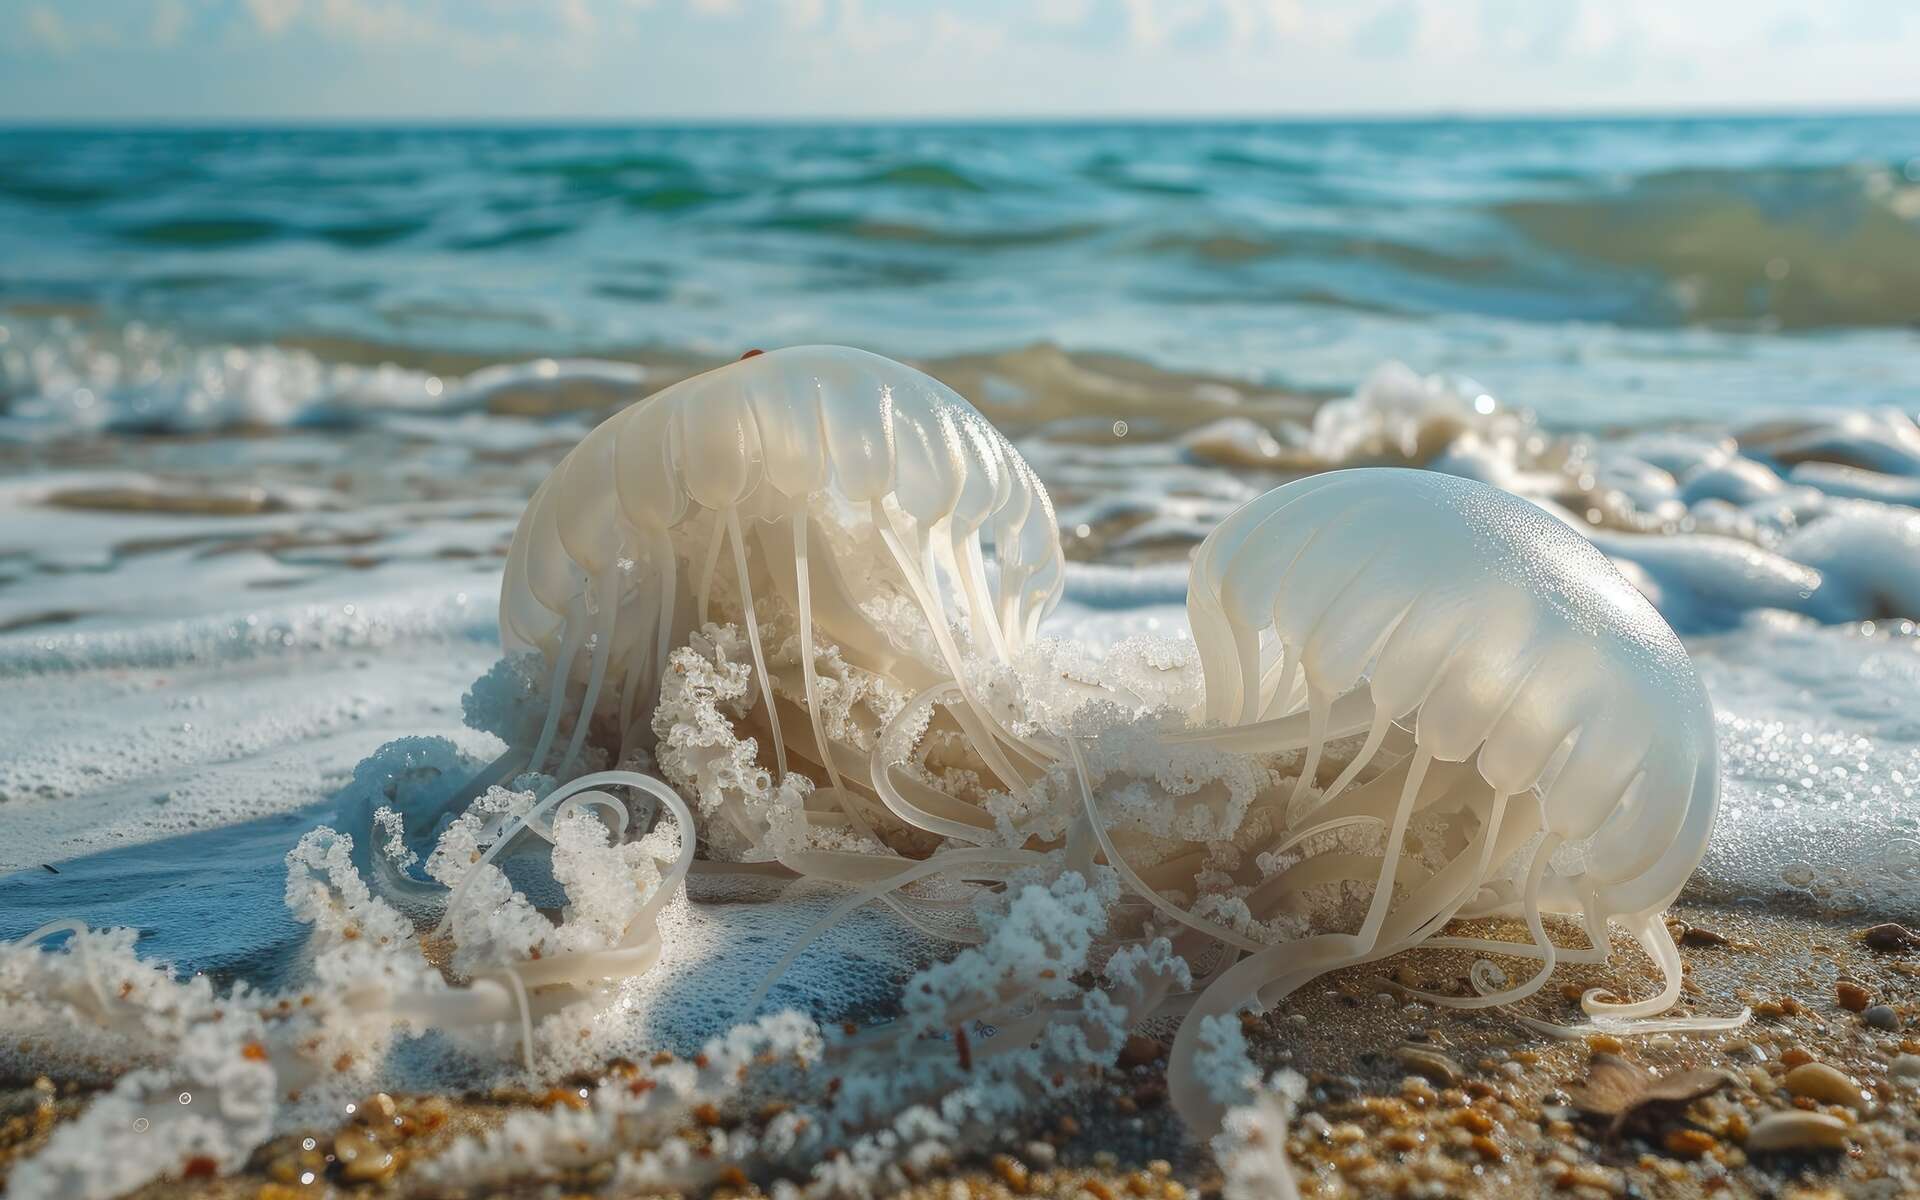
[[608, 607], [752, 622], [1140, 887], [576, 634], [715, 543]]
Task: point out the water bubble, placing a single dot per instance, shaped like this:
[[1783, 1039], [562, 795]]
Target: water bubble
[[1119, 429], [141, 1125]]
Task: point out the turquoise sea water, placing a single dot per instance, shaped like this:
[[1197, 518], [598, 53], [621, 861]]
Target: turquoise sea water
[[1598, 270]]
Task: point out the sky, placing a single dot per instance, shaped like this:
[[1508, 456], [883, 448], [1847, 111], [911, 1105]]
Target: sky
[[671, 60]]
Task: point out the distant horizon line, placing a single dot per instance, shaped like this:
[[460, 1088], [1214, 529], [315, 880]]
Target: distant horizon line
[[744, 120]]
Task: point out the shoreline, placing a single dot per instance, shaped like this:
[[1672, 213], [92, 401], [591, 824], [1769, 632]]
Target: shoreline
[[1400, 1096]]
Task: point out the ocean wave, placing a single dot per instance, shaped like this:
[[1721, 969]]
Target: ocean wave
[[598, 168], [1811, 516], [864, 226], [1592, 264], [1702, 222], [204, 231], [1797, 248], [61, 379]]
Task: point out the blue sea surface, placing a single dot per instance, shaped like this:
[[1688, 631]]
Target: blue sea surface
[[1600, 270]]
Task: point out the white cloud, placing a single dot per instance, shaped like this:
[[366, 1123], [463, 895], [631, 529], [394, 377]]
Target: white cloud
[[170, 19], [576, 16], [371, 21], [1060, 13], [804, 14], [960, 35], [1152, 23], [273, 16], [401, 24], [1315, 26], [867, 32], [1598, 29], [46, 27]]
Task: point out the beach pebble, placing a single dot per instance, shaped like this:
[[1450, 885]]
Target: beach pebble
[[1890, 938], [363, 1160], [1012, 1172], [1851, 996], [1796, 1132], [1430, 1065], [1905, 1067], [1818, 1081], [1881, 1016], [1688, 1143], [1141, 1052], [1698, 936]]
